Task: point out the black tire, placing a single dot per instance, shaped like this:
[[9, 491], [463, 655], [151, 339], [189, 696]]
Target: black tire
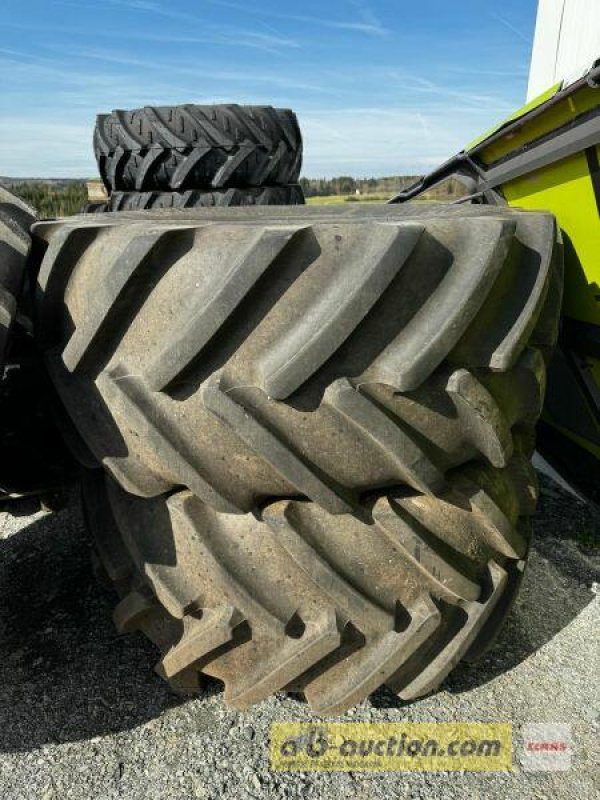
[[95, 208], [266, 196], [174, 148], [318, 429], [34, 465], [16, 218]]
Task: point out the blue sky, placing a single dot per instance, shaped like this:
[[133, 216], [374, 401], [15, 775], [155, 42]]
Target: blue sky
[[381, 87]]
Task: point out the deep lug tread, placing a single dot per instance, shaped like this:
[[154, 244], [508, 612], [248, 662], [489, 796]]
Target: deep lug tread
[[216, 303], [275, 324], [422, 346], [200, 637], [320, 638], [326, 500], [124, 286], [277, 453], [477, 614], [314, 659], [181, 174], [482, 417], [412, 464], [162, 436], [131, 610], [289, 195], [180, 147], [429, 556], [370, 667], [327, 313], [16, 219]]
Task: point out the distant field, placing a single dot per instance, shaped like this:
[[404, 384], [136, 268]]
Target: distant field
[[335, 199], [50, 197]]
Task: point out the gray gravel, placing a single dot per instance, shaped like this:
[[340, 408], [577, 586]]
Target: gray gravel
[[82, 715]]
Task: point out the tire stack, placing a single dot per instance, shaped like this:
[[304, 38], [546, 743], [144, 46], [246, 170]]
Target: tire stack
[[305, 433], [192, 155], [34, 464]]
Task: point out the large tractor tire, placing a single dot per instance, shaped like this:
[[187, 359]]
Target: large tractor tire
[[95, 208], [16, 218], [175, 148], [306, 433]]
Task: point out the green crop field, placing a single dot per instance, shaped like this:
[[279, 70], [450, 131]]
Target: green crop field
[[50, 198], [335, 199]]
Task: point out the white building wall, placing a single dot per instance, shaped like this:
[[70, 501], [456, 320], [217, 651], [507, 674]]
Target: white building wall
[[566, 42]]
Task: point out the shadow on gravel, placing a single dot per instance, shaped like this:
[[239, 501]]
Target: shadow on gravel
[[65, 674], [563, 564]]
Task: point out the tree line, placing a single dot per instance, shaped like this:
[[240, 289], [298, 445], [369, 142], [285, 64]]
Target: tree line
[[51, 199], [321, 187], [56, 198]]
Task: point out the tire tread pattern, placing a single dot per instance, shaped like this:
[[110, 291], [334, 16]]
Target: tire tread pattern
[[330, 508], [175, 148]]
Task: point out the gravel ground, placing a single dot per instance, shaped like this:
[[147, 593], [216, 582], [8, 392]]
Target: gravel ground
[[82, 715]]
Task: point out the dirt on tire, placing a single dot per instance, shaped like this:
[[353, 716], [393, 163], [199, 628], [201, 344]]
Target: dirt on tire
[[307, 432]]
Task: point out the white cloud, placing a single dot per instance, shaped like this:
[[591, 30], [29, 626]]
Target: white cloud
[[362, 21], [384, 141], [44, 149], [412, 121]]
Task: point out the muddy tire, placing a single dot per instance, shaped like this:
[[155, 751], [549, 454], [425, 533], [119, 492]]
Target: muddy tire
[[266, 196], [174, 148], [16, 219], [311, 433]]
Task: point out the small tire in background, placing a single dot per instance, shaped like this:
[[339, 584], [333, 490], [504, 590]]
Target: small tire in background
[[266, 196], [95, 208], [174, 148]]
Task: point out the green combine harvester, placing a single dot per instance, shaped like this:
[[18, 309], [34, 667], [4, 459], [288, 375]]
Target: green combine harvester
[[303, 435]]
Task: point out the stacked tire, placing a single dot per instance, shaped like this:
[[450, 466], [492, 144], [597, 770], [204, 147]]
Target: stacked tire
[[192, 155], [305, 432], [16, 219], [34, 465]]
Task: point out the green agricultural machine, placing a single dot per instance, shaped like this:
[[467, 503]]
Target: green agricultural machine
[[545, 157], [303, 435]]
